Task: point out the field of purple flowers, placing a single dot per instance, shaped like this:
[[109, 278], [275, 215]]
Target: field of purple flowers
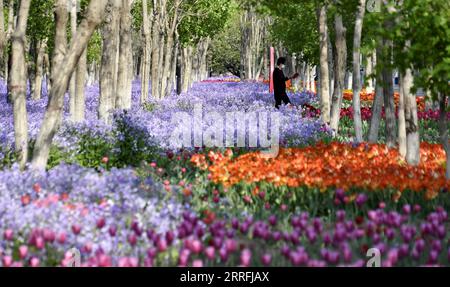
[[123, 196]]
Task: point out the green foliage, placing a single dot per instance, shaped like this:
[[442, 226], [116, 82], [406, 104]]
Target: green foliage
[[131, 143], [124, 146], [421, 26], [225, 50], [203, 19], [94, 52]]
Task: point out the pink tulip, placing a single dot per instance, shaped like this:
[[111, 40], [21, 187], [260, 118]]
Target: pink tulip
[[23, 251], [210, 252], [266, 259], [7, 261], [197, 263], [162, 245], [34, 262], [101, 223], [40, 243], [246, 256], [76, 229], [8, 235], [196, 246], [61, 238], [133, 261]]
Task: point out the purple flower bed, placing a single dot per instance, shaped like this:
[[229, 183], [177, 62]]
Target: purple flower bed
[[69, 206], [156, 124], [109, 234]]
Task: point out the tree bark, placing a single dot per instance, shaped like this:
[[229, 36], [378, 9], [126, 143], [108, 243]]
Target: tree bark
[[145, 74], [18, 84], [47, 72], [49, 127], [356, 71], [125, 73], [42, 46], [73, 80], [389, 104], [110, 34], [80, 99], [369, 71], [324, 68], [2, 29], [401, 119], [443, 130], [60, 48], [157, 38], [411, 120], [9, 31], [340, 65], [169, 50], [186, 68], [172, 75]]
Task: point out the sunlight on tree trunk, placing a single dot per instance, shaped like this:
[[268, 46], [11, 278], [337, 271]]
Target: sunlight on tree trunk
[[18, 84], [110, 34], [324, 68]]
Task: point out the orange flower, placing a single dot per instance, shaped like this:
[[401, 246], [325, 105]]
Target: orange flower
[[370, 97], [369, 166]]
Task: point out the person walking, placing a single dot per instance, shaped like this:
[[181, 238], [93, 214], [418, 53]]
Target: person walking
[[279, 83]]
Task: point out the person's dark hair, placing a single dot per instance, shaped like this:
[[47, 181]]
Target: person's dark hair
[[281, 61]]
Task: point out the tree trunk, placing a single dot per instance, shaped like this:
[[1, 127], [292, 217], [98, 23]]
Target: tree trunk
[[411, 120], [110, 34], [49, 127], [60, 38], [340, 65], [18, 84], [324, 68], [369, 72], [401, 119], [389, 105], [168, 54], [172, 75], [2, 29], [73, 79], [39, 69], [443, 130], [203, 70], [125, 72], [186, 68], [80, 100], [356, 71], [376, 114], [145, 74], [30, 59], [156, 46], [9, 32], [47, 67]]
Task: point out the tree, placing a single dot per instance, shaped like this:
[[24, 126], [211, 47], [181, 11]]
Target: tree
[[356, 71], [340, 67], [199, 21], [324, 81], [145, 72], [125, 72], [18, 84], [109, 67], [53, 114]]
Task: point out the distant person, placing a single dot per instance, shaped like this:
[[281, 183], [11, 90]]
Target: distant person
[[279, 83]]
